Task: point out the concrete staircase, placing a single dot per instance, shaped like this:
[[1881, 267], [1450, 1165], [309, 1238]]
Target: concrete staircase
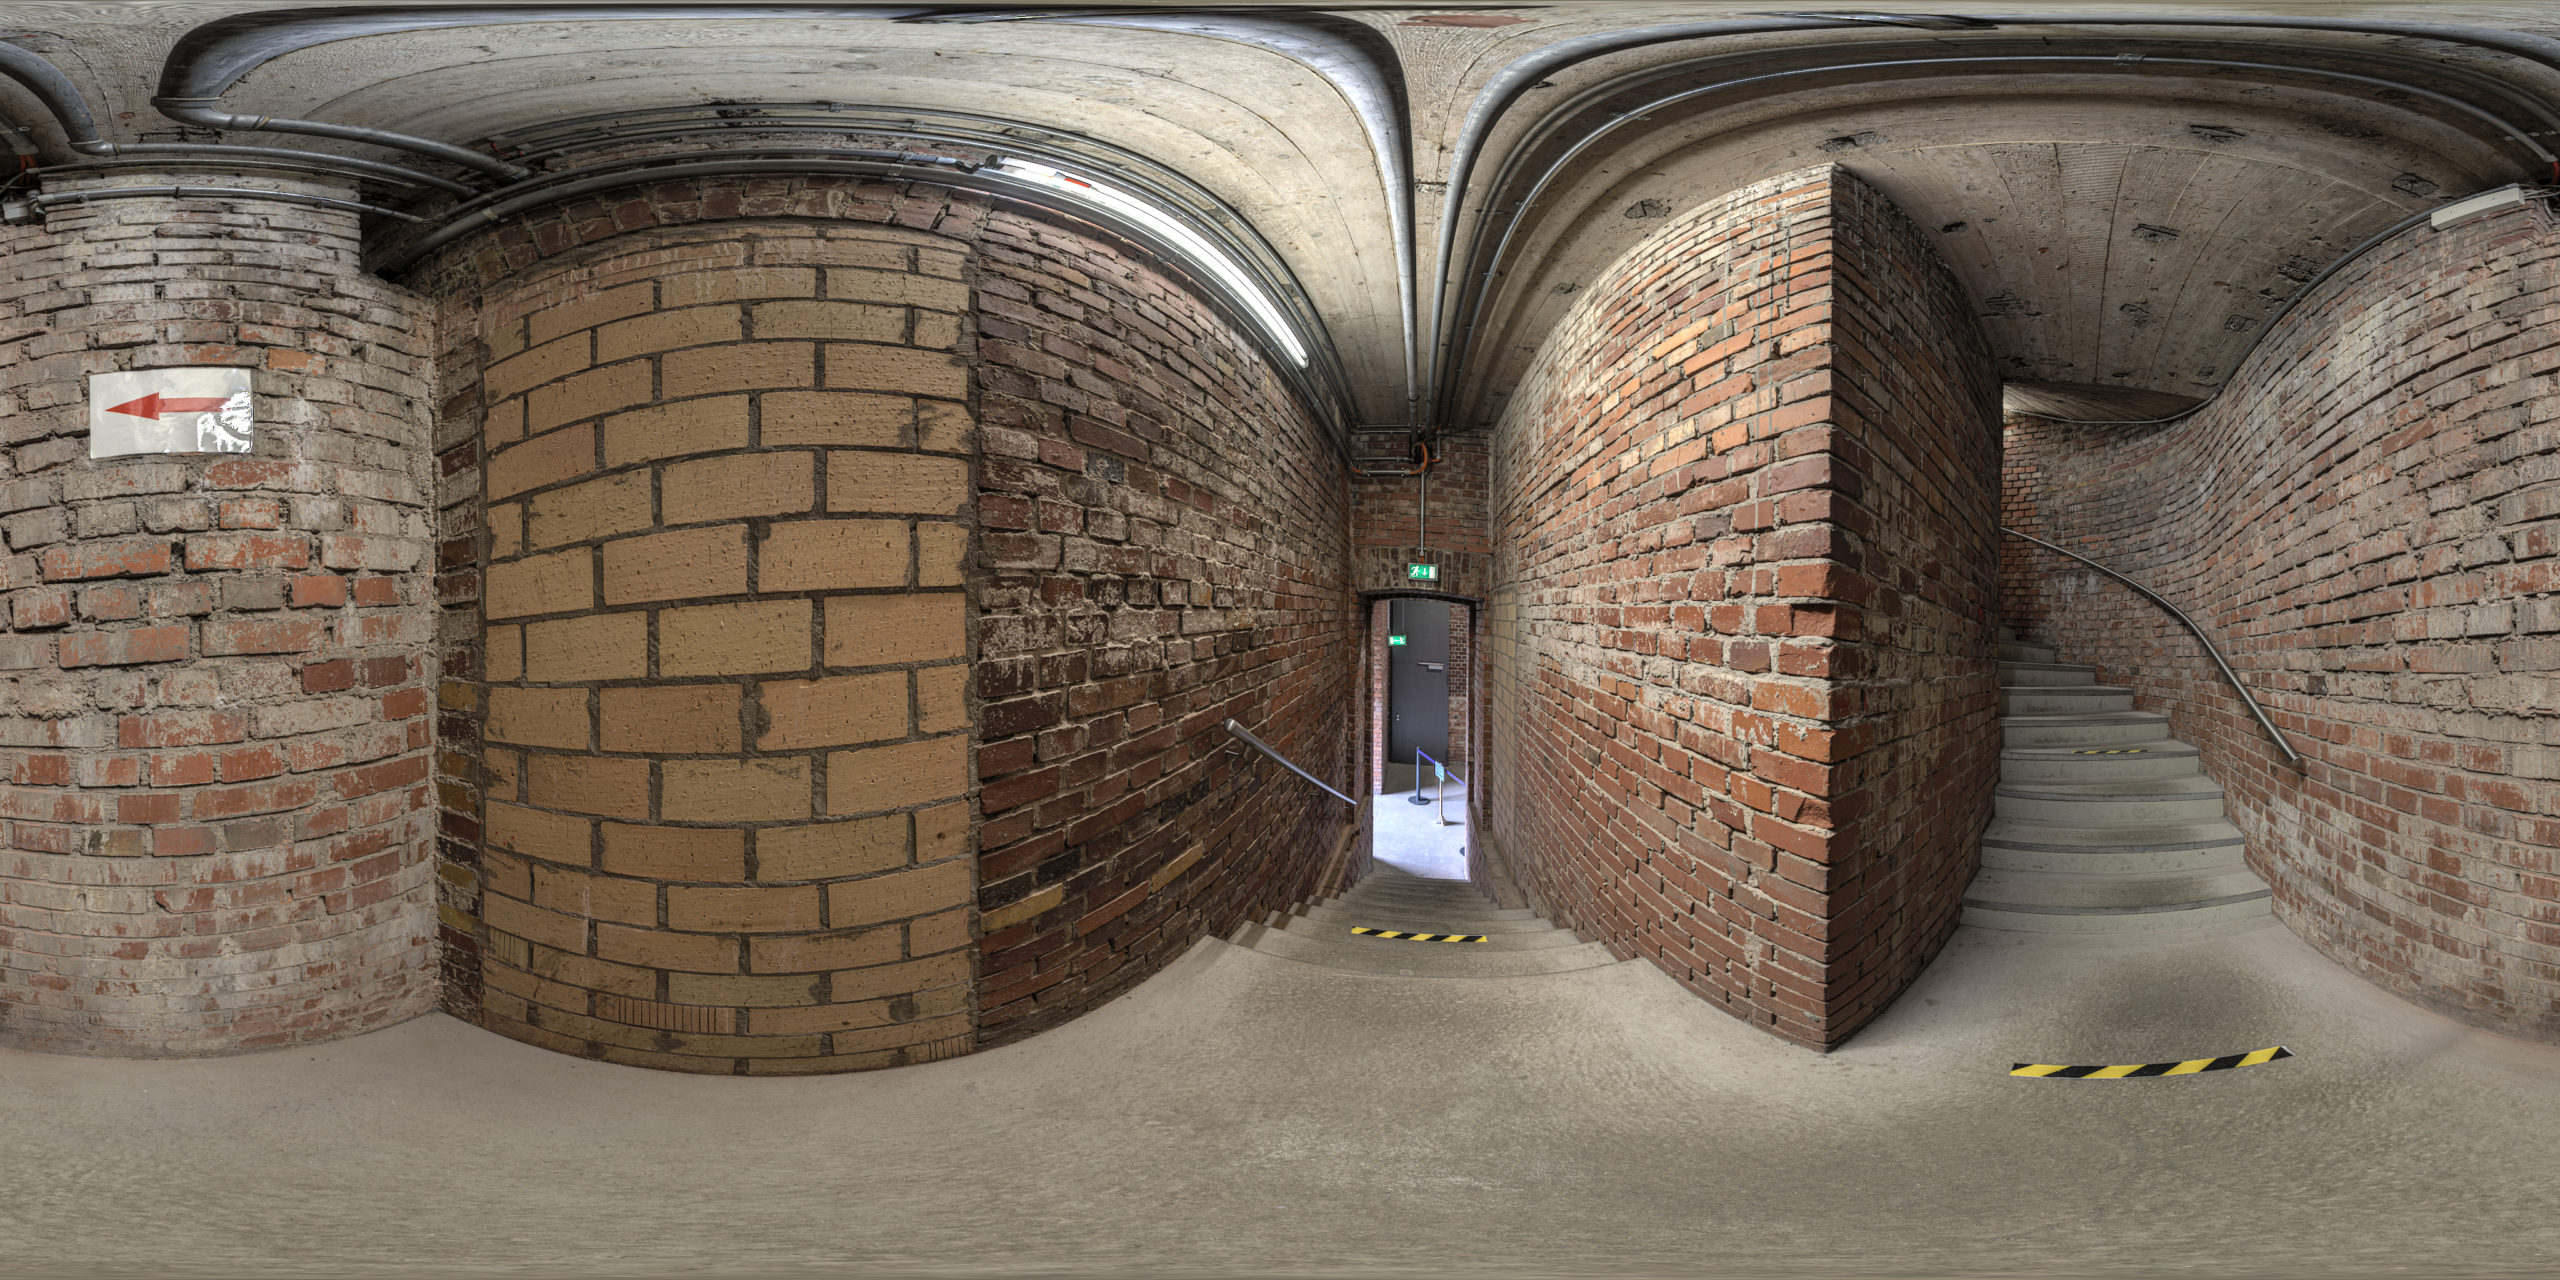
[[2103, 823], [1516, 941]]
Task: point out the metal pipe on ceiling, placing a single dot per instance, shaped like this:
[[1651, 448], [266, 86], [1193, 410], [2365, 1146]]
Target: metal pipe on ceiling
[[50, 198], [1477, 286], [1523, 74], [70, 110], [1360, 65]]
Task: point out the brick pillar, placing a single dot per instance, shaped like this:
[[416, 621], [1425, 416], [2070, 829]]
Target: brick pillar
[[1744, 505], [215, 735], [721, 821]]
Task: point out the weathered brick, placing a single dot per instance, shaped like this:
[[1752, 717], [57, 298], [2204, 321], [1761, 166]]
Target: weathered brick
[[743, 366], [894, 777], [792, 909], [686, 564], [844, 418], [604, 646], [734, 639], [832, 712], [755, 484], [556, 582], [686, 718], [675, 853], [599, 508], [674, 430], [833, 850], [899, 894], [834, 555], [877, 630]]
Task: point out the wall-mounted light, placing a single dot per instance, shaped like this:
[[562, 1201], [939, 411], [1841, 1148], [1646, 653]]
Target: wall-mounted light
[[1183, 240], [2487, 202]]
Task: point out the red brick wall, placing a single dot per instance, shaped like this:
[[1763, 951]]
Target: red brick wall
[[215, 733], [1165, 548], [1740, 635], [2368, 524], [1387, 525]]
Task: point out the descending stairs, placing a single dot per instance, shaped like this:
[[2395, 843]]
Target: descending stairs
[[2102, 822], [1516, 941]]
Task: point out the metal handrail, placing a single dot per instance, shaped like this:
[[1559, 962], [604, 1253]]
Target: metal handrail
[[1265, 748], [2290, 756]]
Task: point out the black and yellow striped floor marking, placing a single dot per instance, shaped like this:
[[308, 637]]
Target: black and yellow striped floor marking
[[2186, 1068], [2110, 751], [1417, 937]]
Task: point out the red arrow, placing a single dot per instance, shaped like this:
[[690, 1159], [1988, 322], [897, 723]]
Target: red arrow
[[155, 404]]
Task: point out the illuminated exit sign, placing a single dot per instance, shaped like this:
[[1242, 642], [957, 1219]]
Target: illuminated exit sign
[[1422, 572], [1395, 639]]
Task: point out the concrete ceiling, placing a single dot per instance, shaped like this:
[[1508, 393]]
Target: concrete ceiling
[[2125, 227]]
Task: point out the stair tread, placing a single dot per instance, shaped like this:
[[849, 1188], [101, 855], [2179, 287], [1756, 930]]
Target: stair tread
[[1438, 960], [1402, 918], [2060, 889], [2022, 833], [2195, 787], [2164, 747], [2191, 916]]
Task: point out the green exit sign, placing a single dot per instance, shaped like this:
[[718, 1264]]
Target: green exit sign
[[1422, 572], [1395, 639]]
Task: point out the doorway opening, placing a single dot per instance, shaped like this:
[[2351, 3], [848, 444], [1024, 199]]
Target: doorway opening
[[1422, 659]]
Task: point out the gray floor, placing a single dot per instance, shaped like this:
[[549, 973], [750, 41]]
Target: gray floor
[[1243, 1113], [1410, 836]]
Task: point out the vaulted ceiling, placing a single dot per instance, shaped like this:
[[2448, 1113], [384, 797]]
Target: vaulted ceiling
[[2129, 193]]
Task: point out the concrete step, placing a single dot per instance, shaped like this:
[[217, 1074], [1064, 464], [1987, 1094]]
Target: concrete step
[[2137, 802], [1473, 906], [2087, 729], [2013, 650], [2045, 675], [2007, 890], [1422, 959], [2192, 916], [2032, 700], [2068, 837], [1399, 918], [2166, 758], [2105, 861], [1339, 930]]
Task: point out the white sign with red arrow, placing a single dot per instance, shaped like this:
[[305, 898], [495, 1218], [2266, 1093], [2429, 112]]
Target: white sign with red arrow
[[200, 410]]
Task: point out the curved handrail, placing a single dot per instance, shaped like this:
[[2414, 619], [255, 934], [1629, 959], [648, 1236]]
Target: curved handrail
[[1263, 747], [2291, 757]]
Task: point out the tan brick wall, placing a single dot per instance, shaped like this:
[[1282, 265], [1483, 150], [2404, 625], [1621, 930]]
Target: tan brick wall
[[213, 701], [721, 813]]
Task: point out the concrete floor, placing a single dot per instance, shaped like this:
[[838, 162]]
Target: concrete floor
[[1410, 837], [1247, 1114]]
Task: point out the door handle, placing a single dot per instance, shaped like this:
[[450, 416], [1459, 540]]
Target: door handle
[[1433, 666]]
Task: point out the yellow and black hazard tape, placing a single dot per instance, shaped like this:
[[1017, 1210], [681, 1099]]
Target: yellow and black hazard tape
[[2110, 751], [1417, 937], [2187, 1068]]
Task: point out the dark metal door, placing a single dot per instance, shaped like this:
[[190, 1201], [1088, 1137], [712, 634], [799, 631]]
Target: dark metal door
[[1418, 680]]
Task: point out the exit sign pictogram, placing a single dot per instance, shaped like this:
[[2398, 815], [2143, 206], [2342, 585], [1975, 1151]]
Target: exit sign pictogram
[[1395, 639], [1422, 572]]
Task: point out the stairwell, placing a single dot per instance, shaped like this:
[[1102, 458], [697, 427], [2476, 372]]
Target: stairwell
[[2102, 822], [1516, 942]]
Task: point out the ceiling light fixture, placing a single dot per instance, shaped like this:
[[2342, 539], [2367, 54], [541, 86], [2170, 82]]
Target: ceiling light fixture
[[2487, 202], [1190, 244]]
